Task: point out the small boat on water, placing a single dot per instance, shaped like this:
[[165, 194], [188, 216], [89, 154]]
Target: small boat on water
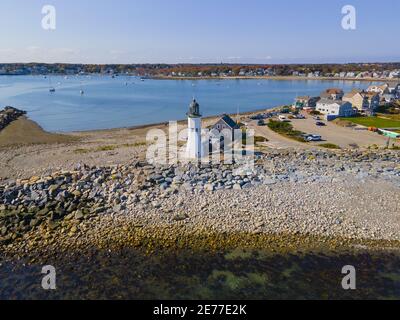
[[51, 88], [82, 92]]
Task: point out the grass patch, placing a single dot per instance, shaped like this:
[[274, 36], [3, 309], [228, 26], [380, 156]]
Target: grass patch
[[140, 144], [344, 123], [377, 122], [81, 151], [136, 144], [286, 129], [258, 139], [395, 117], [329, 146], [105, 148], [109, 147]]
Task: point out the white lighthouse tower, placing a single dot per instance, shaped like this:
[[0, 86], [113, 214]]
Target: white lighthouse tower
[[194, 148]]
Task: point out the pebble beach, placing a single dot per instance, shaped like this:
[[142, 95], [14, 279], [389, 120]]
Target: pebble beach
[[351, 196]]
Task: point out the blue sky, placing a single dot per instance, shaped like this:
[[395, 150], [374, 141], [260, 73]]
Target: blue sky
[[199, 31]]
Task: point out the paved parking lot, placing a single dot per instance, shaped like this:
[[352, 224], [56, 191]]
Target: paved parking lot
[[331, 133], [341, 136]]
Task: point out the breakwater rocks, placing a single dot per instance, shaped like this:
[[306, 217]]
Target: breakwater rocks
[[8, 115], [344, 194]]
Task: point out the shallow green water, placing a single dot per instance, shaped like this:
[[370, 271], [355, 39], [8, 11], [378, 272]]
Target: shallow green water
[[227, 275]]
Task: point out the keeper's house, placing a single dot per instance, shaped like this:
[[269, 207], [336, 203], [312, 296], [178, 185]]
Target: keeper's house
[[226, 122], [335, 108]]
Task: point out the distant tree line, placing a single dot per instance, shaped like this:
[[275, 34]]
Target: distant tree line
[[193, 69]]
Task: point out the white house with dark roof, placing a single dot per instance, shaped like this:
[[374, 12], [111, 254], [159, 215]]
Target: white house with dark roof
[[380, 89], [225, 122], [335, 108], [388, 98]]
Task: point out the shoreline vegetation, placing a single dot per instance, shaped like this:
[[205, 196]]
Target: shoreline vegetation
[[39, 246], [286, 129]]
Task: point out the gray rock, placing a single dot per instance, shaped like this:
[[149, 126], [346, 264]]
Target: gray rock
[[237, 187], [79, 215]]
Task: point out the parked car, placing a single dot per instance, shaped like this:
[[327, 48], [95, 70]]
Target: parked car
[[320, 124], [257, 117], [261, 123], [312, 137], [283, 119]]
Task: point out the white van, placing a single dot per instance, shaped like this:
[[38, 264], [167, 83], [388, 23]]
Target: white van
[[283, 119]]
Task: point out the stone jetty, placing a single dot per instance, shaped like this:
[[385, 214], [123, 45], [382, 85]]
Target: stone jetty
[[8, 115]]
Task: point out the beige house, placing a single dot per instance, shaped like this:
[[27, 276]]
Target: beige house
[[356, 98], [362, 101]]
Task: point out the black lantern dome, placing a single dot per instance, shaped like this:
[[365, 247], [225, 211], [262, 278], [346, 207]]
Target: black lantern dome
[[194, 110]]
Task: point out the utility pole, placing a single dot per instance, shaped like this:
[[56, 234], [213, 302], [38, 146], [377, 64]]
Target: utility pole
[[388, 143]]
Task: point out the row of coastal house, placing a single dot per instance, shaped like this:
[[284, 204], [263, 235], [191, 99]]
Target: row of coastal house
[[335, 103]]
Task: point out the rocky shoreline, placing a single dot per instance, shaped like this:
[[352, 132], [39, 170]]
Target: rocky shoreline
[[8, 115], [352, 196]]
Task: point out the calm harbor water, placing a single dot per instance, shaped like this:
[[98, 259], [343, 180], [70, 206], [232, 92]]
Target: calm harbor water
[[127, 101]]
